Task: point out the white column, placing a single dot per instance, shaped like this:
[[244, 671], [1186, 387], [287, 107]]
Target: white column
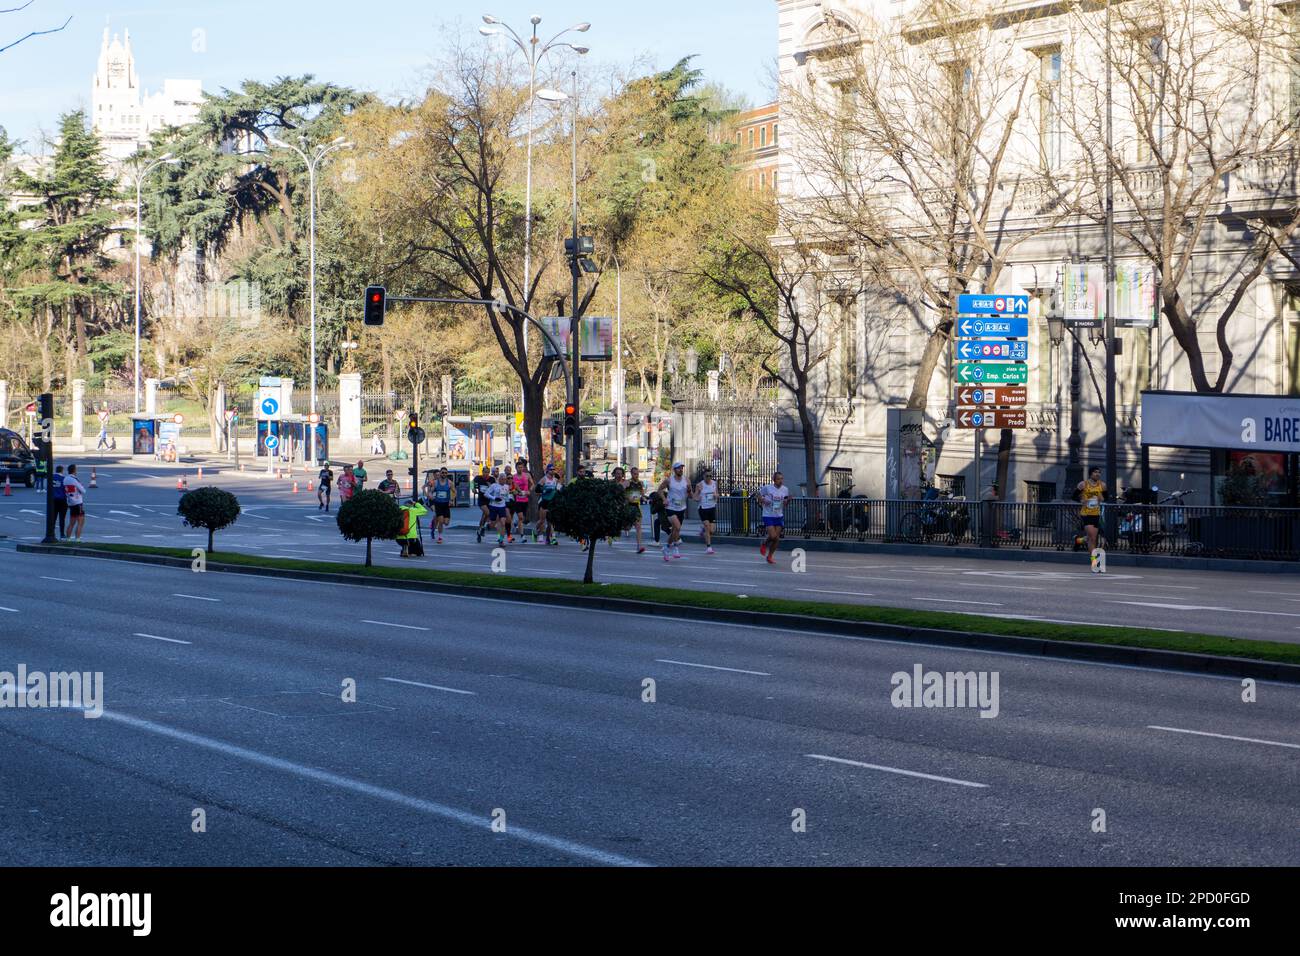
[[78, 411], [4, 404], [151, 396], [350, 409]]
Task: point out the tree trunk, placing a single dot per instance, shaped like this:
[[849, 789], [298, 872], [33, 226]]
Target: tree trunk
[[934, 348], [209, 541], [368, 540], [809, 429], [1004, 462], [589, 577]]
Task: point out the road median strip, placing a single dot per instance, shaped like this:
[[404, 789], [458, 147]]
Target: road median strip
[[1195, 653]]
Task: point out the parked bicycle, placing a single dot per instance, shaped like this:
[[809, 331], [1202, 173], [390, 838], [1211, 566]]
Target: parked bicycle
[[940, 515], [1161, 528]]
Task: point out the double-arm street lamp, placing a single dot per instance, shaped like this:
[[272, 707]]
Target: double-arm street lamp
[[312, 161], [165, 159]]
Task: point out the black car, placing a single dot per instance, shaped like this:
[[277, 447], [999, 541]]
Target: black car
[[17, 462]]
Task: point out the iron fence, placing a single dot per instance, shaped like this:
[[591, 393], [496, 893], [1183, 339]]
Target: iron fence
[[1178, 530]]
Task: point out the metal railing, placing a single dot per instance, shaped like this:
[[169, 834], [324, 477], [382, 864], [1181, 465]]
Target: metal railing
[[1178, 530]]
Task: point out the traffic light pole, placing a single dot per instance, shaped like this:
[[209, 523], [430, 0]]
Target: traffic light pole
[[574, 441], [45, 412]]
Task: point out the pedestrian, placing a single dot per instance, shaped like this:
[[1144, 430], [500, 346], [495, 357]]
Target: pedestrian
[[676, 489], [388, 486], [773, 497], [706, 493], [521, 492], [377, 444], [656, 503], [359, 473], [347, 484], [60, 501], [40, 473], [408, 535], [441, 493], [635, 489], [76, 494], [547, 490], [325, 482], [103, 429], [498, 494], [481, 482], [1092, 492]]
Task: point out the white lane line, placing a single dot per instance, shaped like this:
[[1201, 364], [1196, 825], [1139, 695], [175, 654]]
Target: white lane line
[[1203, 733], [1204, 607], [29, 511], [951, 601], [725, 584], [634, 577], [412, 683], [155, 637], [1052, 620], [195, 597], [824, 591], [999, 587], [127, 513], [905, 773], [11, 610], [404, 627], [258, 517], [475, 821], [1277, 593], [10, 518], [63, 580], [711, 667]]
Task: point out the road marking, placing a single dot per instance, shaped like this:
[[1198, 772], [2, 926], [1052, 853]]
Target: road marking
[[11, 610], [404, 627], [823, 591], [155, 637], [636, 577], [1278, 593], [1053, 620], [64, 580], [258, 517], [1204, 607], [475, 821], [1203, 733], [195, 597], [724, 584], [711, 667], [412, 683], [998, 587], [29, 511], [127, 513], [905, 773], [951, 601]]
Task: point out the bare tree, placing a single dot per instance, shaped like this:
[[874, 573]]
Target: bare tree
[[33, 33]]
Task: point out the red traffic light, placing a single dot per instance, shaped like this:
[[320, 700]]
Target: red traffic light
[[570, 409], [376, 305]]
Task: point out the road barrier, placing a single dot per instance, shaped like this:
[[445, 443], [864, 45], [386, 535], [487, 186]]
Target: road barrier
[[1177, 530]]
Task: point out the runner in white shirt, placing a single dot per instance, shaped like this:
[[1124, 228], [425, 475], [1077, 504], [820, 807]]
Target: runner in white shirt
[[75, 492], [498, 496], [773, 498], [676, 489], [706, 493]]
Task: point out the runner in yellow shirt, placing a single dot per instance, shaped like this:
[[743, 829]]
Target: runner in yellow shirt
[[1092, 492]]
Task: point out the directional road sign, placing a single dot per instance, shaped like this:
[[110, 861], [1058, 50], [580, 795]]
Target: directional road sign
[[992, 374], [271, 442], [270, 407], [992, 350], [990, 396], [996, 328], [992, 418], [993, 305]]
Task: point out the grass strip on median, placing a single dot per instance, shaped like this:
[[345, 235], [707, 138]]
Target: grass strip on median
[[1189, 643]]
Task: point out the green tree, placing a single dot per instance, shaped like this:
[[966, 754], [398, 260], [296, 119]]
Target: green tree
[[368, 515], [591, 509], [210, 508]]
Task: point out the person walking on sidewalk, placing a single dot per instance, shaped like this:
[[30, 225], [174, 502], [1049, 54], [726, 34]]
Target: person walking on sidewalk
[[1092, 492], [76, 493], [773, 497], [60, 502]]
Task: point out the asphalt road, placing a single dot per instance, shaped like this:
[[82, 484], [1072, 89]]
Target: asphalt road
[[224, 693], [135, 504]]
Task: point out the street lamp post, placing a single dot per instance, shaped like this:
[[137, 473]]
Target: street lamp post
[[1112, 452], [163, 160], [312, 161], [620, 432]]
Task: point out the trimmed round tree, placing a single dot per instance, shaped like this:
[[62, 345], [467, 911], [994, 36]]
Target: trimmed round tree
[[210, 508], [368, 515], [591, 509]]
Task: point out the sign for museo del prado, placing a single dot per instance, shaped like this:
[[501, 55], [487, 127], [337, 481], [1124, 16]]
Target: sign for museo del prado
[[1238, 422]]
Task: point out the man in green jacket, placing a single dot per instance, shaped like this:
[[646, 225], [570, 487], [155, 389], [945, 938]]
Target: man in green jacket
[[412, 511]]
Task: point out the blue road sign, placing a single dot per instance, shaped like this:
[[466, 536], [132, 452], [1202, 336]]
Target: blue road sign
[[270, 406], [986, 350], [972, 328], [993, 305], [272, 443]]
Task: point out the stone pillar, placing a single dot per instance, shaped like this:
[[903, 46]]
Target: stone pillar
[[78, 411], [4, 404], [350, 409], [286, 398], [151, 396]]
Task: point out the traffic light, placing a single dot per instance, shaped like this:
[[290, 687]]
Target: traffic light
[[376, 305], [570, 420]]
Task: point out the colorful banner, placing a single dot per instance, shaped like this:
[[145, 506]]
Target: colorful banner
[[457, 443], [597, 337], [1084, 294]]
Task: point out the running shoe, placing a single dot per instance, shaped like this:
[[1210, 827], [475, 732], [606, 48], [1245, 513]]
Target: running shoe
[[640, 550], [771, 559], [709, 551], [480, 535], [762, 548], [440, 539], [511, 539]]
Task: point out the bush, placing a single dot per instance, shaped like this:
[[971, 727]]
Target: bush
[[590, 509], [210, 508], [368, 515]]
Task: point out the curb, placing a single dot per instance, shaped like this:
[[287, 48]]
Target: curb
[[1204, 664]]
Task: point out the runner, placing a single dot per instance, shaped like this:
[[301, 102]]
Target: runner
[[546, 491], [481, 482], [441, 496], [388, 486], [326, 482], [676, 489], [706, 493], [498, 494], [507, 478], [773, 498], [76, 493], [1092, 492], [347, 484], [60, 501], [635, 488], [359, 473], [521, 487]]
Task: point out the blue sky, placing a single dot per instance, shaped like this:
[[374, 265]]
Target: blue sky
[[381, 45]]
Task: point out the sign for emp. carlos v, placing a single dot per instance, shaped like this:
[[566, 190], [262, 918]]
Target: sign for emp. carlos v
[[1235, 422]]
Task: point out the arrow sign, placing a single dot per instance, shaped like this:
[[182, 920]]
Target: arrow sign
[[993, 305], [992, 374], [990, 396], [270, 406], [272, 443], [976, 328], [992, 418], [992, 351]]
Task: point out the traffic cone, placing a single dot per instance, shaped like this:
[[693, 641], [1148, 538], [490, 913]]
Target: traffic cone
[[200, 473], [295, 487], [8, 491], [93, 482], [181, 484]]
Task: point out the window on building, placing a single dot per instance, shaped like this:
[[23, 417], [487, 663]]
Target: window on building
[[751, 137], [775, 133], [1134, 366], [1049, 107], [1293, 68], [762, 180], [1291, 344], [1042, 371], [1148, 110], [845, 314], [839, 480], [774, 175], [762, 136]]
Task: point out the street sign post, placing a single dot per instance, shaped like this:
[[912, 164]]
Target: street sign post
[[993, 305], [992, 396], [974, 373], [968, 418], [970, 327], [992, 350]]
